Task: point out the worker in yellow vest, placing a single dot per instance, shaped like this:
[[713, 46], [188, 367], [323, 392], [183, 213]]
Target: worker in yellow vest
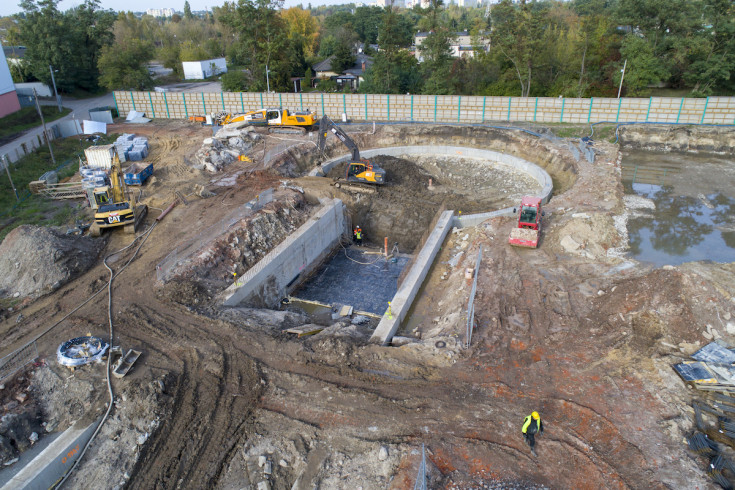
[[532, 426], [358, 235]]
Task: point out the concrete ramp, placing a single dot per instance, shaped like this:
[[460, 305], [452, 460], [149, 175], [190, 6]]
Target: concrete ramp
[[50, 466]]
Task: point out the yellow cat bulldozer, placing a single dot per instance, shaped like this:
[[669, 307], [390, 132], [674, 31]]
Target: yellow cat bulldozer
[[115, 209]]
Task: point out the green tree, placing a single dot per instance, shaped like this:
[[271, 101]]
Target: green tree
[[187, 10], [124, 66], [262, 40], [644, 68], [234, 81], [518, 36], [344, 55], [71, 41]]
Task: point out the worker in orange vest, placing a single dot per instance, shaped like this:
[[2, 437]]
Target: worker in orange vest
[[532, 426]]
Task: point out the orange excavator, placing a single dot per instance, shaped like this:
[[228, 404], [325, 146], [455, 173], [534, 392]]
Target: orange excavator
[[526, 233]]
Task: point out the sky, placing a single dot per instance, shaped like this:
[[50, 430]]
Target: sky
[[8, 7]]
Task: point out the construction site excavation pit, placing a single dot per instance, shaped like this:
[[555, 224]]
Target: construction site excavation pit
[[429, 190]]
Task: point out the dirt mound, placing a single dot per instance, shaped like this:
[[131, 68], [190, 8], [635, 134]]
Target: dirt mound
[[36, 260]]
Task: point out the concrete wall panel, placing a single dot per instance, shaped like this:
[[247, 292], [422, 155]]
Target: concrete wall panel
[[268, 280], [440, 108]]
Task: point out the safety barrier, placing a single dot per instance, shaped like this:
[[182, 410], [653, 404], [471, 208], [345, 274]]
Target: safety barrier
[[471, 302], [15, 361], [437, 108]]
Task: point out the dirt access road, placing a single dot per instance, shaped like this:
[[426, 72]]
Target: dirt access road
[[577, 333]]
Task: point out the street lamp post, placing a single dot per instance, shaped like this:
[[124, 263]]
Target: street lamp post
[[622, 77], [53, 80], [267, 79]]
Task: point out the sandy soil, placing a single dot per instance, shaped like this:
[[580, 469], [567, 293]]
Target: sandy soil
[[576, 332]]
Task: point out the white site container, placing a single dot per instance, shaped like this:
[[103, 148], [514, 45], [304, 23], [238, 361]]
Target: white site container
[[100, 156], [199, 70]]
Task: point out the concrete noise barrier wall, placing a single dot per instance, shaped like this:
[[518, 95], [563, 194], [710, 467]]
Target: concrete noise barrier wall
[[268, 281], [437, 108]]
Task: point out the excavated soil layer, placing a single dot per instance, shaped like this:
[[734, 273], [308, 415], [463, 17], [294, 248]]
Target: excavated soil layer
[[404, 207], [570, 330]]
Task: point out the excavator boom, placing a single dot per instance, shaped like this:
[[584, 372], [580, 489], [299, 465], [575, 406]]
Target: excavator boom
[[358, 169]]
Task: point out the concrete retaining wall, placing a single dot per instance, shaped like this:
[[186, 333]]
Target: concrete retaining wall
[[54, 461], [438, 108], [270, 279], [404, 297]]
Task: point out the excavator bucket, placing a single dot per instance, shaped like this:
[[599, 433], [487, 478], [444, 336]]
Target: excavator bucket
[[523, 237]]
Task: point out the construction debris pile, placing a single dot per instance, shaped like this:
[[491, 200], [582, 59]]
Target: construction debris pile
[[225, 147], [713, 373], [35, 260]]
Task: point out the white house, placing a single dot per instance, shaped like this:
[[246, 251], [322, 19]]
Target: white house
[[461, 46], [199, 70], [8, 98]]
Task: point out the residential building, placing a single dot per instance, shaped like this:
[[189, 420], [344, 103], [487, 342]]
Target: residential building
[[199, 70], [8, 97], [396, 3], [352, 76], [161, 12], [461, 46]]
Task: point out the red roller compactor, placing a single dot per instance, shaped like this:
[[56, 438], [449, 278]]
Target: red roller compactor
[[526, 234]]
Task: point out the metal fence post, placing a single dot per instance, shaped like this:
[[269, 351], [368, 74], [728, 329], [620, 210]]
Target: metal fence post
[[280, 99], [204, 104], [510, 99], [650, 99], [680, 106], [366, 110], [150, 99], [620, 102], [706, 103], [132, 99], [535, 107], [165, 100], [323, 105], [563, 101], [436, 98], [589, 114], [459, 107], [222, 96], [242, 104], [484, 100], [387, 100], [116, 107], [344, 103], [186, 111], [412, 108]]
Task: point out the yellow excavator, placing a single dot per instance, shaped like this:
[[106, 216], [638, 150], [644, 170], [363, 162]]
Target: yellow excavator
[[272, 118], [358, 169], [114, 209]]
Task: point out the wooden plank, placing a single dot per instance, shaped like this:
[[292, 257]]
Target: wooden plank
[[306, 330]]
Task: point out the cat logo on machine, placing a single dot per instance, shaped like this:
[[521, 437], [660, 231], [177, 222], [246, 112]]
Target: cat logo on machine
[[113, 218]]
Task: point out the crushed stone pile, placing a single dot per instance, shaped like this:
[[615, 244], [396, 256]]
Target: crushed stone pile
[[225, 147], [35, 260]]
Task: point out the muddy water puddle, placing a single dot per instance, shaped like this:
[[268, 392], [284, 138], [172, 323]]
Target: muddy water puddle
[[681, 207], [357, 277]]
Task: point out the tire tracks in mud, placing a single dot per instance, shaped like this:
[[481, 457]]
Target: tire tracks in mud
[[207, 421]]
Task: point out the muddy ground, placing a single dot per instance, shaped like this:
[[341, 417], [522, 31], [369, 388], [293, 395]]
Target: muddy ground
[[225, 399]]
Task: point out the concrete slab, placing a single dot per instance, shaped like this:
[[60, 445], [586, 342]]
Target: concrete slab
[[409, 289], [49, 466]]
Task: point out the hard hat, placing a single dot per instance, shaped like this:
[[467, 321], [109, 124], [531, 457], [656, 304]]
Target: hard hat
[[535, 415]]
